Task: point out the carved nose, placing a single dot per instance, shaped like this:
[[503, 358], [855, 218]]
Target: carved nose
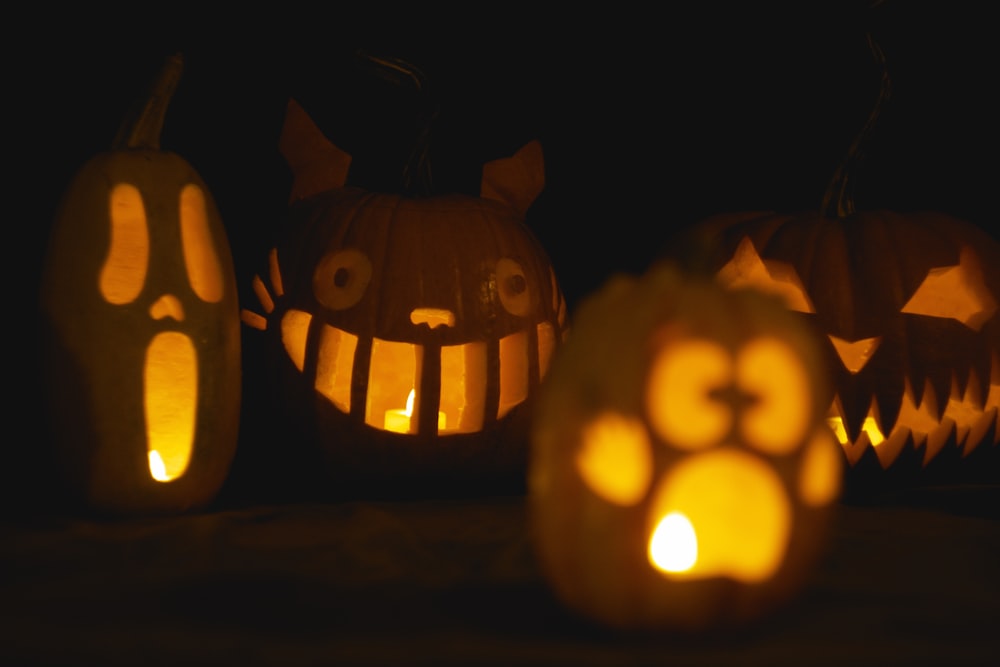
[[167, 305], [433, 317], [854, 355]]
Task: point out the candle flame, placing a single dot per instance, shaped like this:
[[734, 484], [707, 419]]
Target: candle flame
[[156, 467], [674, 544]]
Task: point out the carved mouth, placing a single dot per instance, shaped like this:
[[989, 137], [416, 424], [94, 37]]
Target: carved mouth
[[408, 383], [171, 399], [963, 414], [741, 534]]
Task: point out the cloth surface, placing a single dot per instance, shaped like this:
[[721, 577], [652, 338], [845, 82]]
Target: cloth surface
[[908, 581]]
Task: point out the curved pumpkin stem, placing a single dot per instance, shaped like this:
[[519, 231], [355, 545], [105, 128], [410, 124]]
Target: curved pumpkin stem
[[417, 178], [142, 127], [838, 201]]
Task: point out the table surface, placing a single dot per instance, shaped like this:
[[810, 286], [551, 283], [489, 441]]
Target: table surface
[[912, 579]]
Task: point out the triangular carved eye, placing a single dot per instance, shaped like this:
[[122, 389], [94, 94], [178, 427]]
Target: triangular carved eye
[[958, 292], [747, 269]]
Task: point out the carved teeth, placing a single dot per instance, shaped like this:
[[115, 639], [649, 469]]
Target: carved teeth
[[965, 415]]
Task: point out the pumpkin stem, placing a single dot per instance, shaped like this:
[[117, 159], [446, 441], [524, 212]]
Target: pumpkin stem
[[417, 178], [143, 125], [838, 201]]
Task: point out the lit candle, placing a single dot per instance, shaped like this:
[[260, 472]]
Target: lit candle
[[398, 421], [156, 467], [674, 544]]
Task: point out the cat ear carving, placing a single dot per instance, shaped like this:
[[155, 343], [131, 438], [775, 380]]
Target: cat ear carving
[[317, 164], [517, 180]]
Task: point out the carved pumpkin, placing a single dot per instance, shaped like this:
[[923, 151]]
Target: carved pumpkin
[[681, 474], [908, 304], [141, 315], [408, 334]]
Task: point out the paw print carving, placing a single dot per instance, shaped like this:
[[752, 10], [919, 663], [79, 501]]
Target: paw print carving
[[726, 450]]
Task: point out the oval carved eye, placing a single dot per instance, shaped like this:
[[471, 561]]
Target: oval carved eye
[[777, 420], [512, 285], [679, 400], [341, 278], [124, 269], [200, 255]]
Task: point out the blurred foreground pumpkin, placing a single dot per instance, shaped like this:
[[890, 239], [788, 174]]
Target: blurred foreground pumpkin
[[681, 476], [141, 322]]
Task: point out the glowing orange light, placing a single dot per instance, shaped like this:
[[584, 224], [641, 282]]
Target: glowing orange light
[[398, 421]]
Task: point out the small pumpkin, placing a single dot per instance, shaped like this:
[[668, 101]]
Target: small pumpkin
[[681, 474], [408, 334], [141, 320], [908, 305]]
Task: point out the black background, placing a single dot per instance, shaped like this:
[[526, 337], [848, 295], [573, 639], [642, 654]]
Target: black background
[[650, 118]]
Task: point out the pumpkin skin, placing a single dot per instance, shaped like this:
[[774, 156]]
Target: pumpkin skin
[[704, 402], [908, 306], [141, 321], [373, 295]]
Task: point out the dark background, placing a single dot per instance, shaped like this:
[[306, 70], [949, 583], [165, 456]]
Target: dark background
[[650, 119]]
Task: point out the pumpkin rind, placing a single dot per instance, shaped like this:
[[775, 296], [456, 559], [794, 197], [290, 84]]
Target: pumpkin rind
[[592, 546]]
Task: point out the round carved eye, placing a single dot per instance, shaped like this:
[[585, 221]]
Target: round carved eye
[[679, 399], [513, 287], [777, 421], [341, 278]]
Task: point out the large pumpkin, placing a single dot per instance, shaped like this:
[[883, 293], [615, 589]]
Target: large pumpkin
[[408, 334], [908, 305], [681, 476], [140, 312]]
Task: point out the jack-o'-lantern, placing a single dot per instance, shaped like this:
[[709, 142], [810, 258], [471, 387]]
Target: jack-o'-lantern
[[141, 316], [408, 334], [908, 305], [682, 476]]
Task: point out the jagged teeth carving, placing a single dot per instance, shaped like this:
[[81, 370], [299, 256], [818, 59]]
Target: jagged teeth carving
[[964, 415]]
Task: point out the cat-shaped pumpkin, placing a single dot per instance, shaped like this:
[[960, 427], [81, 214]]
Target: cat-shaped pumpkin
[[408, 335]]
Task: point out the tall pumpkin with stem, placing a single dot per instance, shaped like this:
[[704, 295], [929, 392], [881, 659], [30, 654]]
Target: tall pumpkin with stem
[[908, 304], [141, 322]]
